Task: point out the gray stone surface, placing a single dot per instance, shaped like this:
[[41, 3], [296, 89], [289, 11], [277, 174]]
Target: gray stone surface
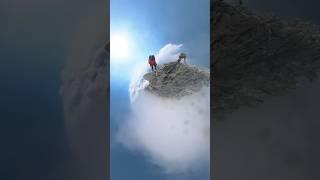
[[256, 57], [177, 79]]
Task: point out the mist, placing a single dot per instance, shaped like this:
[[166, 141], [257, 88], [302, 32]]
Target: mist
[[173, 134], [275, 140]]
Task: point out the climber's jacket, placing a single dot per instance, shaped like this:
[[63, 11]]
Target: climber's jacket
[[152, 60]]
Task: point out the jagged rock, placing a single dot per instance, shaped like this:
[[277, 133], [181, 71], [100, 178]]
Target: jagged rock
[[177, 79], [258, 57]]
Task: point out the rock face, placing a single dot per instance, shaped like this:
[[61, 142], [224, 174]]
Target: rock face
[[84, 89], [258, 57], [177, 79]]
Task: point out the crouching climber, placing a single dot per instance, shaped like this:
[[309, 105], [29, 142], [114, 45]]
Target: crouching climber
[[182, 56], [153, 63]]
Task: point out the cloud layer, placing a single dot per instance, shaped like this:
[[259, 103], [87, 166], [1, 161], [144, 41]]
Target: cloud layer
[[172, 133]]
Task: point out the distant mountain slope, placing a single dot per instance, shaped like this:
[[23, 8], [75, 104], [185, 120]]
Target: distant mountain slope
[[258, 57]]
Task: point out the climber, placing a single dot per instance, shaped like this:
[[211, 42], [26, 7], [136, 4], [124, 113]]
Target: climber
[[153, 63], [182, 56]]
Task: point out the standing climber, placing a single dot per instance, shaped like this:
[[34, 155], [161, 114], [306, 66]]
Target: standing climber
[[153, 63], [182, 56]]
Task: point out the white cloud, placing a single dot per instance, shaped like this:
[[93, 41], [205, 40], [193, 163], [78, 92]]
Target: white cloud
[[173, 133], [168, 53]]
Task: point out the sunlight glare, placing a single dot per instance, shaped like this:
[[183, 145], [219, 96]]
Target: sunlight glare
[[119, 47]]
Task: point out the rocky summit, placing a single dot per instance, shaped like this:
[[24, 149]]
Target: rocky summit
[[175, 80]]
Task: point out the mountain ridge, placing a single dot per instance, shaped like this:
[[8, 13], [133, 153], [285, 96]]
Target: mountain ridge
[[175, 80]]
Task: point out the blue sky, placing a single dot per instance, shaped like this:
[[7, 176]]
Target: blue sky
[[152, 24], [149, 26]]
